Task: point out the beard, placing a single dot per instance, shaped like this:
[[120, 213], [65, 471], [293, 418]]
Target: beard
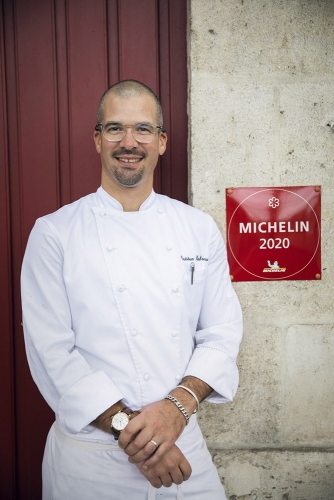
[[129, 177]]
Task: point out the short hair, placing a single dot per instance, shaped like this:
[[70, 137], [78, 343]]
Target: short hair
[[129, 88]]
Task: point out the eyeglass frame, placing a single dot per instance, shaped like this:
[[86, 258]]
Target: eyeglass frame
[[100, 126]]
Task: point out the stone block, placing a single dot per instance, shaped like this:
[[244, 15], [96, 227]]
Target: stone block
[[308, 415], [276, 475]]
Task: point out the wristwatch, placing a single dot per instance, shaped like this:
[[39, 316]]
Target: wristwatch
[[120, 420]]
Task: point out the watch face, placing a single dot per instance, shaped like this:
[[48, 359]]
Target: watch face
[[120, 421]]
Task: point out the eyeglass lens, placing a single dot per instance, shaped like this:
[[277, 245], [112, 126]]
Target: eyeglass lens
[[115, 132]]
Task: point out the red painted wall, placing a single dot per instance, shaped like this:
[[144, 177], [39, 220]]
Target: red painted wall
[[56, 59]]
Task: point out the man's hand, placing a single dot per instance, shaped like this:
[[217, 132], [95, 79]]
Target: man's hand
[[161, 422], [172, 468]]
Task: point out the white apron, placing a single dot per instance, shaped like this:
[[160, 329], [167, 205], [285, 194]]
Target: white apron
[[109, 476]]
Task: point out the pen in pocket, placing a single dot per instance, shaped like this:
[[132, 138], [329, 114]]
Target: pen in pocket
[[192, 270]]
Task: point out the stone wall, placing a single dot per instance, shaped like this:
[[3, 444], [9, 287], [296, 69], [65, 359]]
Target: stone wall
[[261, 113]]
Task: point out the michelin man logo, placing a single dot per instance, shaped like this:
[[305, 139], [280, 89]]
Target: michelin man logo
[[274, 268], [274, 265]]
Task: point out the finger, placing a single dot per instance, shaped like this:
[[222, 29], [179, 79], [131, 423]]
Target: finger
[[139, 443], [166, 480], [153, 476], [133, 429], [177, 475], [149, 449], [154, 480], [156, 457], [185, 469], [134, 442]]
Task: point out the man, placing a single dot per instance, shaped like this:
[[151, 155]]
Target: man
[[130, 322]]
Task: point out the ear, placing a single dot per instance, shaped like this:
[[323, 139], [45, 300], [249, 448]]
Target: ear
[[162, 142], [97, 140]]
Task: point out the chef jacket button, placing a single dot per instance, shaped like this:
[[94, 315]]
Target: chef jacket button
[[178, 377], [175, 290], [160, 211], [110, 248], [121, 288], [174, 333], [147, 376], [102, 214], [169, 247], [134, 333]]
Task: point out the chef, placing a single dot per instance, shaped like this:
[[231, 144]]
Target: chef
[[130, 322]]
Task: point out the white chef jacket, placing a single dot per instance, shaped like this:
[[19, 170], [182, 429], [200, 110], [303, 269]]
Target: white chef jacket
[[123, 305]]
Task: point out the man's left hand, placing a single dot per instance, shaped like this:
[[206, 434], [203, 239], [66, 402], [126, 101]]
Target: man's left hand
[[172, 468]]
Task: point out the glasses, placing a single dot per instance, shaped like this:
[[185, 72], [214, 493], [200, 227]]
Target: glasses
[[142, 132]]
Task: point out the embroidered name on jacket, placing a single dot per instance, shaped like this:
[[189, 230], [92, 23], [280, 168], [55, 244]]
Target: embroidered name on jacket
[[198, 257]]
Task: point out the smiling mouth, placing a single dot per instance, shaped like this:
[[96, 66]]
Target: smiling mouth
[[129, 156], [129, 160]]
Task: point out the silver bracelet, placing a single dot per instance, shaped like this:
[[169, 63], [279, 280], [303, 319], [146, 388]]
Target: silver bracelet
[[180, 407], [193, 395]]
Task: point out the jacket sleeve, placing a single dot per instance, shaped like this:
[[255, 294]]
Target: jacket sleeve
[[219, 329], [75, 392]]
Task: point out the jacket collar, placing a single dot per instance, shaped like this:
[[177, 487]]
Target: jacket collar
[[110, 202]]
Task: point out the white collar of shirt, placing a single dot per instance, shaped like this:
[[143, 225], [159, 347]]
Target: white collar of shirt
[[110, 202]]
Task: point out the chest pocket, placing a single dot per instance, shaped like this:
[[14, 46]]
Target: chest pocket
[[194, 271]]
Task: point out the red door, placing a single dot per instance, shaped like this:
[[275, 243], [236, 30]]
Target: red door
[[56, 59]]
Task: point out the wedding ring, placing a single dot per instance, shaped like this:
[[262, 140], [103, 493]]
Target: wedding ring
[[153, 442]]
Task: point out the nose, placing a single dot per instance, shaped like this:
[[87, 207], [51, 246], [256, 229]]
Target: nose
[[128, 140]]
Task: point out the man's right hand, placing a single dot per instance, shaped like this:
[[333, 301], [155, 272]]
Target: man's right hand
[[172, 468]]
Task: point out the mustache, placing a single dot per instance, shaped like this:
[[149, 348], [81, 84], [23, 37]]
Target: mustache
[[124, 151]]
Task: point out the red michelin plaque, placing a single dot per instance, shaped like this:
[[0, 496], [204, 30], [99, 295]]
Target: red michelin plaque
[[273, 233]]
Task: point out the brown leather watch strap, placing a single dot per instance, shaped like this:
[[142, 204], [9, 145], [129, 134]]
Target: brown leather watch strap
[[127, 410]]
